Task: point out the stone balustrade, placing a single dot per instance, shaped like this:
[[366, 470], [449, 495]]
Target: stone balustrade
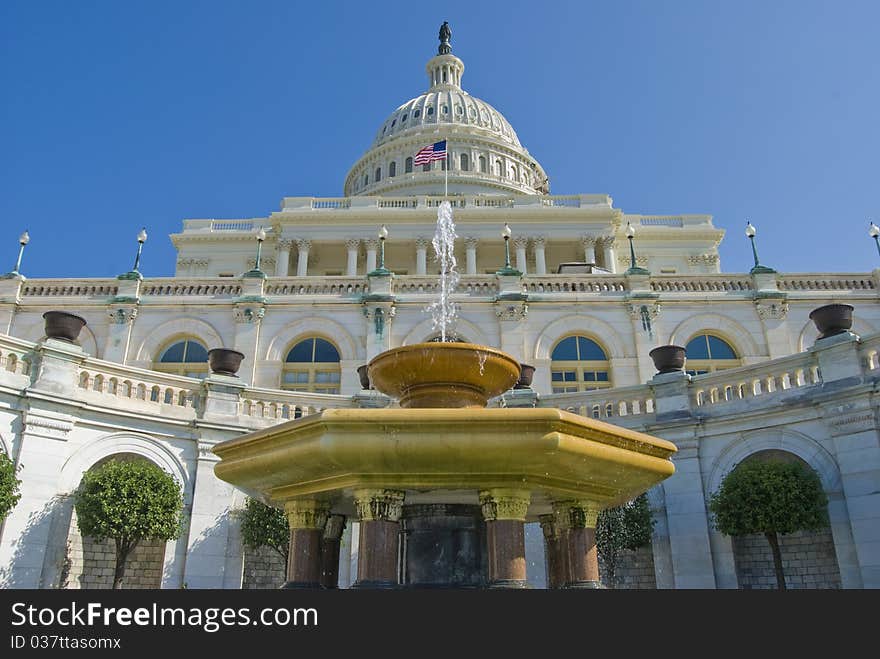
[[608, 404], [425, 201]]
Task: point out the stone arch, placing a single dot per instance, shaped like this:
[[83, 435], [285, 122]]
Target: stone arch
[[725, 326], [157, 452], [783, 439], [809, 333], [466, 329], [160, 335], [314, 326], [605, 335]]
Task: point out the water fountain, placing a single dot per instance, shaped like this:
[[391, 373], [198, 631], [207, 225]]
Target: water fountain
[[470, 476]]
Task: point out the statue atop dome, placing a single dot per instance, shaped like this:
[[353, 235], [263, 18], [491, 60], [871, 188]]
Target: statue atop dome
[[445, 36]]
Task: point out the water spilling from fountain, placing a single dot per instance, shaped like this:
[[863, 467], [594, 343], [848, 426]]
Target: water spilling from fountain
[[443, 310]]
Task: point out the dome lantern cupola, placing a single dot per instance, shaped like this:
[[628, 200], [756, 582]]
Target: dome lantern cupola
[[444, 70]]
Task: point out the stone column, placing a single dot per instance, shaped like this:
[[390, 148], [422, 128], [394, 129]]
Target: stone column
[[580, 542], [352, 245], [282, 257], [505, 513], [421, 256], [302, 263], [538, 243], [330, 545], [372, 245], [555, 550], [379, 542], [589, 243], [521, 242], [470, 245], [307, 518], [608, 253]]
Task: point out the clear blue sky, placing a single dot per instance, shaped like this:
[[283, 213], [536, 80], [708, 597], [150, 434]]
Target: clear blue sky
[[119, 114]]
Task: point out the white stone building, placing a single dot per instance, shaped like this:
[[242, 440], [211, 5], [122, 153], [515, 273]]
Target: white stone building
[[138, 382]]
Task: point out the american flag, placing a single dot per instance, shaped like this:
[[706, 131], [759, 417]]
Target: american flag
[[436, 151]]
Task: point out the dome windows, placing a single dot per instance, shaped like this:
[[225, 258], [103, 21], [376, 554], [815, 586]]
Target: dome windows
[[430, 110], [403, 118], [459, 110], [407, 166], [464, 162], [392, 169], [393, 122], [417, 113], [378, 174], [444, 109]]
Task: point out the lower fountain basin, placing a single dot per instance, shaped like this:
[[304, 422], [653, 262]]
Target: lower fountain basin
[[553, 454]]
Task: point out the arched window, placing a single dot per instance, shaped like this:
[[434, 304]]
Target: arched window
[[378, 174], [407, 167], [430, 110], [578, 364], [499, 168], [483, 164], [312, 365], [366, 180], [465, 162], [392, 169], [426, 167], [707, 353], [184, 357]]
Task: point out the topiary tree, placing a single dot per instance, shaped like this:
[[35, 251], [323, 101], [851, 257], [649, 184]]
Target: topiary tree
[[617, 529], [128, 501], [9, 494], [264, 526], [770, 497]]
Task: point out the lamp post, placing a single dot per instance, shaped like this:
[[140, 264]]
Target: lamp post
[[633, 268], [874, 232], [507, 269], [380, 270], [23, 240], [261, 236], [141, 238], [758, 268]]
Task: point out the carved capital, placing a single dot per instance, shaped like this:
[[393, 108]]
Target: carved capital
[[284, 244], [122, 315], [521, 242], [306, 513], [589, 241], [512, 311], [248, 313], [303, 244], [371, 244], [470, 242], [605, 241], [422, 242], [504, 504], [538, 242], [576, 514], [352, 243], [376, 505], [771, 309]]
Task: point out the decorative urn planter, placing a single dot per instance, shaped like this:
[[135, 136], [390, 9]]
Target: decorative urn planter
[[832, 319], [526, 372], [224, 361], [62, 325], [364, 376], [668, 359]]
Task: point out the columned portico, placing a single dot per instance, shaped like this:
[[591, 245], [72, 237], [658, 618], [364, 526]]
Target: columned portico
[[352, 245], [302, 263]]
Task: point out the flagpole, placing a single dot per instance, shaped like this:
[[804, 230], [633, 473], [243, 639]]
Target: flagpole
[[446, 170]]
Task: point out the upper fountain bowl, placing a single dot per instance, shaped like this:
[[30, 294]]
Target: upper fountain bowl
[[443, 374]]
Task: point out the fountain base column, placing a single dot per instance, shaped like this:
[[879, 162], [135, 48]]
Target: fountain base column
[[307, 518], [505, 513], [379, 543], [583, 559], [555, 549], [330, 551]]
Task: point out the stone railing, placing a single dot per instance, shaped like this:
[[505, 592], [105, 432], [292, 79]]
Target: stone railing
[[755, 380], [275, 406], [827, 282], [175, 286], [209, 226], [701, 283], [604, 403], [340, 286], [574, 284], [88, 288], [114, 385], [473, 285], [16, 361], [432, 201]]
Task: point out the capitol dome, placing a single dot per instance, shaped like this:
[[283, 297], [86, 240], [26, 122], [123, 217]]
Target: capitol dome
[[484, 154]]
